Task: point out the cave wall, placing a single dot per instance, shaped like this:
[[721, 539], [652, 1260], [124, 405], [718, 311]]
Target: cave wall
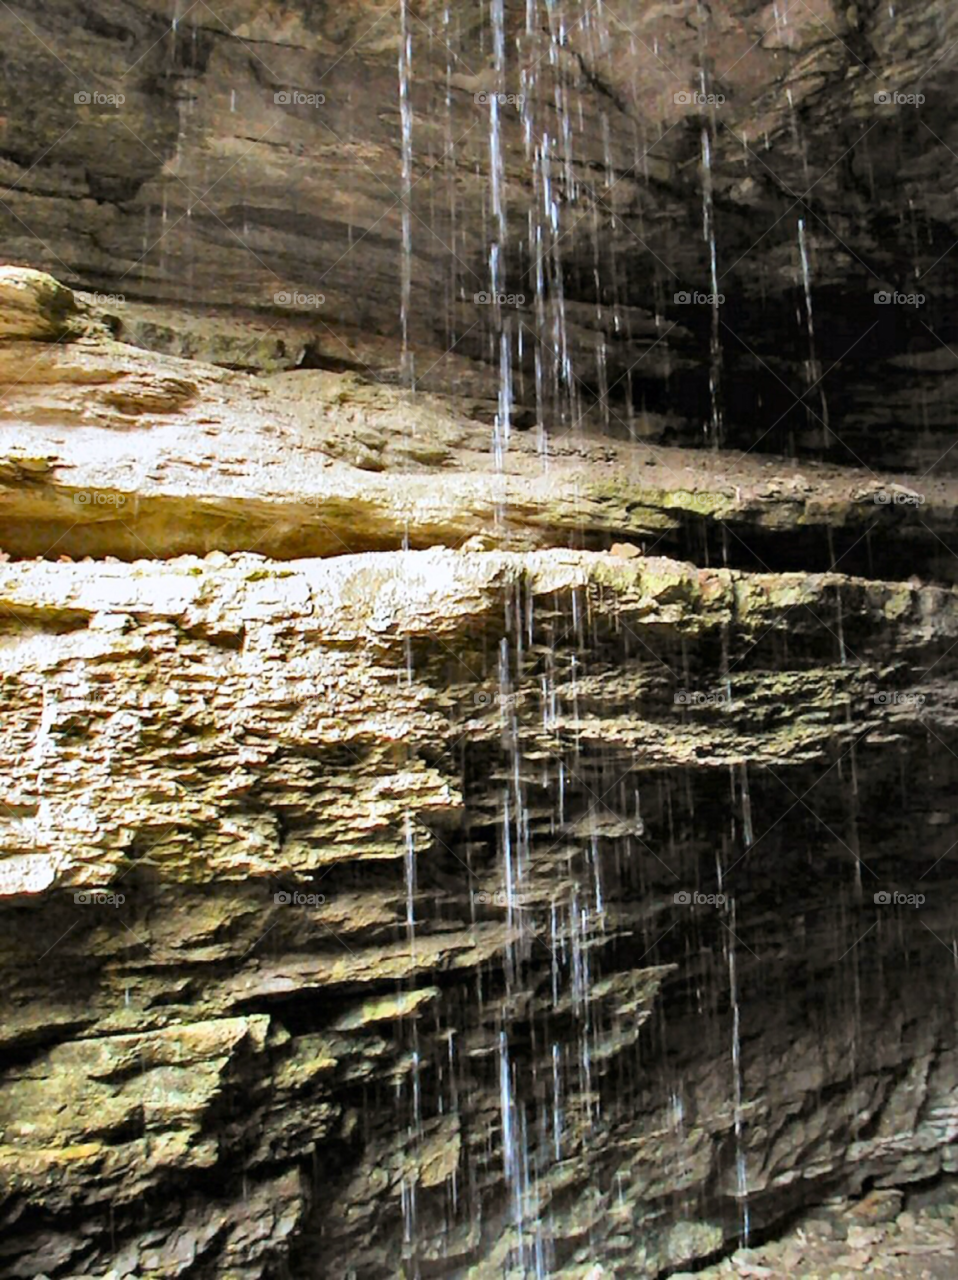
[[790, 139], [421, 857]]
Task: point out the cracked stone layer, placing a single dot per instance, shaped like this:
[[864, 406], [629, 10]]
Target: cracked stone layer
[[201, 675]]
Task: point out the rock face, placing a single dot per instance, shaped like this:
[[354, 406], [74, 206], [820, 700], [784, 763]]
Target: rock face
[[260, 172], [468, 830], [425, 912], [257, 857], [105, 452]]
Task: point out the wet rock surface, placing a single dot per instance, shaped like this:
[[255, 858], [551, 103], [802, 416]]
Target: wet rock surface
[[396, 912], [451, 822], [107, 451], [872, 1236]]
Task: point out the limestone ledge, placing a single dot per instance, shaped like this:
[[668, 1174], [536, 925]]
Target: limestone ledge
[[108, 449], [236, 718]]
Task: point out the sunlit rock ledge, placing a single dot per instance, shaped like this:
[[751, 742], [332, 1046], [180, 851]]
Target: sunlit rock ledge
[[147, 702], [110, 450]]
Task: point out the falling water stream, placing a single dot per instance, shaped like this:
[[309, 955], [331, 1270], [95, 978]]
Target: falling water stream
[[406, 112], [715, 432], [814, 371]]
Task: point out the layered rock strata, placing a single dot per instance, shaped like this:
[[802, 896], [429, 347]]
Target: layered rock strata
[[459, 909]]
